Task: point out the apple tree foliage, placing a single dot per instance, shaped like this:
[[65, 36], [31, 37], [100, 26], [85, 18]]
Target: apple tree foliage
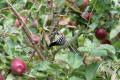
[[82, 57]]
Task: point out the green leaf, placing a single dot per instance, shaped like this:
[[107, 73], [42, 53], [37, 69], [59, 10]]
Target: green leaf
[[70, 5], [12, 30], [79, 2], [39, 75], [3, 58], [98, 52], [108, 47], [117, 45], [74, 78], [91, 71], [94, 51], [62, 57], [84, 49], [9, 47], [74, 60], [114, 32], [25, 1], [3, 4], [10, 77], [8, 22], [80, 40], [87, 43], [81, 20], [93, 25], [42, 66], [55, 66], [1, 28], [28, 5], [61, 3]]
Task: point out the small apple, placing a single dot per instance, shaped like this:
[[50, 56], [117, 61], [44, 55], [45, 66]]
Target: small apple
[[35, 22], [1, 77], [101, 34], [49, 2], [86, 16], [72, 23], [35, 38], [105, 41], [55, 4], [84, 4], [18, 22], [18, 67]]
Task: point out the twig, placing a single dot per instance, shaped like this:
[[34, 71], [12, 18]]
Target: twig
[[27, 18], [87, 30], [55, 17], [55, 22], [75, 37], [72, 48], [62, 10], [44, 28], [90, 18], [91, 13], [7, 8], [84, 59], [1, 19], [45, 23], [47, 44], [33, 53], [38, 8], [26, 31], [29, 11]]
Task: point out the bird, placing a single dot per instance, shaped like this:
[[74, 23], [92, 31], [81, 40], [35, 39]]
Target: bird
[[59, 41]]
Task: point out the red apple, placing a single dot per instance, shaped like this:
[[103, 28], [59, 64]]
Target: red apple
[[101, 34], [72, 23], [1, 77], [18, 67], [84, 4], [55, 4], [105, 41], [49, 2], [35, 22], [35, 38], [18, 22], [86, 16]]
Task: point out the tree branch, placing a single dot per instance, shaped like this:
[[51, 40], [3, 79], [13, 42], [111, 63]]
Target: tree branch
[[26, 31]]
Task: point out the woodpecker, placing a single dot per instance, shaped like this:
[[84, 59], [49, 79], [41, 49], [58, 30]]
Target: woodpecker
[[59, 41]]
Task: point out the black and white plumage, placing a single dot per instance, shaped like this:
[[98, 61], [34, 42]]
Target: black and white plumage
[[59, 42]]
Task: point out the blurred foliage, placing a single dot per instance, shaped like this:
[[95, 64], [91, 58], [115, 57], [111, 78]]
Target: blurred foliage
[[70, 62]]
